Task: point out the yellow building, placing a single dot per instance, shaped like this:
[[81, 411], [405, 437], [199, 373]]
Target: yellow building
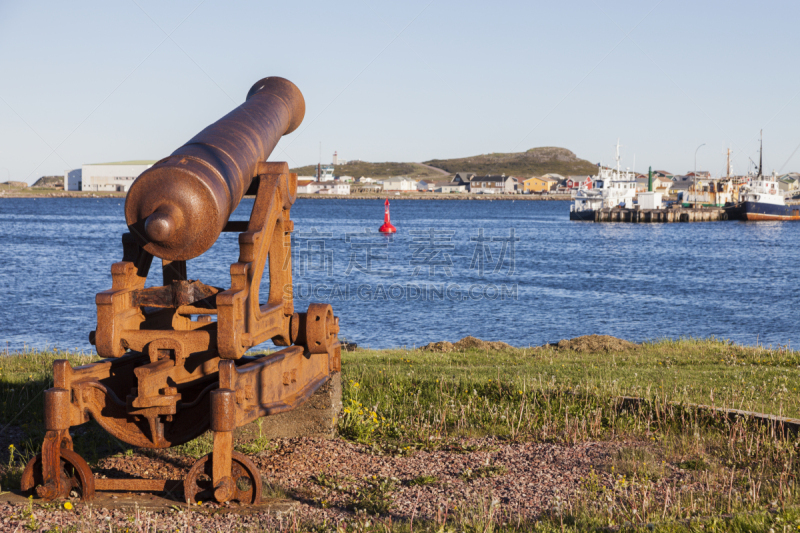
[[539, 184]]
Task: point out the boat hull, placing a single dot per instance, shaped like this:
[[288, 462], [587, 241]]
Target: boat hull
[[735, 211], [765, 211], [586, 215]]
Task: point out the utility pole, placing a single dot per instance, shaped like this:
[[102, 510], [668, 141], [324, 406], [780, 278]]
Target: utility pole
[[695, 174]]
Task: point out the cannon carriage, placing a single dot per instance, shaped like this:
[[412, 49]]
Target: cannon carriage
[[174, 356]]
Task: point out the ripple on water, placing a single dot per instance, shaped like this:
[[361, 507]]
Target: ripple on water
[[732, 280]]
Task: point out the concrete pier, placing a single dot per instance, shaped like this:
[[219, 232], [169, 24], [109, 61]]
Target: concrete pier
[[704, 214]]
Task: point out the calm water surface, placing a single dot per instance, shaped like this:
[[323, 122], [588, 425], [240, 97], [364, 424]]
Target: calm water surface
[[560, 279]]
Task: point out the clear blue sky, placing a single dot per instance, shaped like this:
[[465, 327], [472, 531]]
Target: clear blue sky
[[87, 82]]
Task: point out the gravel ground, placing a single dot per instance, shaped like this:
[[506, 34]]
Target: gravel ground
[[325, 475]]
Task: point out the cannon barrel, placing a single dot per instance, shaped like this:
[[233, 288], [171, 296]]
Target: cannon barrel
[[177, 208]]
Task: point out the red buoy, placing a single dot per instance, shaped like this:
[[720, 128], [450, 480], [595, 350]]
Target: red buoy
[[387, 225]]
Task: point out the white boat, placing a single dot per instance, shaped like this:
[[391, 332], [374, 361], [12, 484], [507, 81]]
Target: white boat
[[325, 173], [613, 188], [764, 200]]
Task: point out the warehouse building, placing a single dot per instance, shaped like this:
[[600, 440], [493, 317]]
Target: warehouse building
[[106, 177]]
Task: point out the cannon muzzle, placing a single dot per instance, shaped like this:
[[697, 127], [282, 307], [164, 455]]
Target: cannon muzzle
[[177, 208]]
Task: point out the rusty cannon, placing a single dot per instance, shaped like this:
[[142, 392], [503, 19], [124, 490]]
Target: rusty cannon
[[174, 356]]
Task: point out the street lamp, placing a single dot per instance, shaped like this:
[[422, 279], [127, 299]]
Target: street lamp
[[695, 174]]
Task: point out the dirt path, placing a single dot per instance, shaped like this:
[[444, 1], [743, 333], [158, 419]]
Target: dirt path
[[329, 478], [439, 170]]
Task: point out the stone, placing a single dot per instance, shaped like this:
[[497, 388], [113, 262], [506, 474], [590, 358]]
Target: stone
[[316, 418]]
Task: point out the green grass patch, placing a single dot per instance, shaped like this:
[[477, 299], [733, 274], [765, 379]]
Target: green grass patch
[[484, 471], [421, 481], [376, 170], [533, 162], [678, 465], [475, 392], [675, 468]]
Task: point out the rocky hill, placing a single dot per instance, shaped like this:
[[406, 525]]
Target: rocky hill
[[376, 170], [14, 184], [534, 162], [50, 182]]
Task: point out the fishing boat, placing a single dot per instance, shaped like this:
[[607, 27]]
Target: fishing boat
[[613, 188], [763, 199]]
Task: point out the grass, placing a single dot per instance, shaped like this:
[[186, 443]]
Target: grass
[[484, 471], [197, 448], [534, 162], [423, 480], [707, 372], [23, 379], [680, 465], [676, 468]]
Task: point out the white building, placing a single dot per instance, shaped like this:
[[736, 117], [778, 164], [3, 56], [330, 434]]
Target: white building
[[427, 185], [334, 188], [306, 186], [363, 179], [443, 186], [107, 176], [650, 200], [72, 180], [448, 188], [399, 183], [322, 187], [337, 160]]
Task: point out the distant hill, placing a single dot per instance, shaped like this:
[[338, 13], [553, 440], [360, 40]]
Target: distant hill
[[15, 184], [50, 182], [534, 162], [376, 170]]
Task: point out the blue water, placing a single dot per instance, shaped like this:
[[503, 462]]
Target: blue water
[[560, 279]]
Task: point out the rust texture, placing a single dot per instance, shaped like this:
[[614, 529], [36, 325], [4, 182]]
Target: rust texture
[[178, 207], [173, 363]]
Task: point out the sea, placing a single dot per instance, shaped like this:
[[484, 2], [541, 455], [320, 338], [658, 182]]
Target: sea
[[514, 271]]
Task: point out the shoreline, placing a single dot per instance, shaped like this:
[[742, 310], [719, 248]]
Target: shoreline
[[437, 196], [357, 196]]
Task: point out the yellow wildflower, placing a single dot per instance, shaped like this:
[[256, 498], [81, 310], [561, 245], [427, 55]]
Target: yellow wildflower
[[68, 506]]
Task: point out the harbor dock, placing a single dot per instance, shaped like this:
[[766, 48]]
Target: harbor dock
[[702, 214]]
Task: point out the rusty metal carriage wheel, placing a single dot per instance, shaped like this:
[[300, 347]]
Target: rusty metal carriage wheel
[[245, 476], [321, 328], [75, 475]]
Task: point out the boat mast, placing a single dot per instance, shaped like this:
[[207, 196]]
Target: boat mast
[[761, 154], [728, 175]]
